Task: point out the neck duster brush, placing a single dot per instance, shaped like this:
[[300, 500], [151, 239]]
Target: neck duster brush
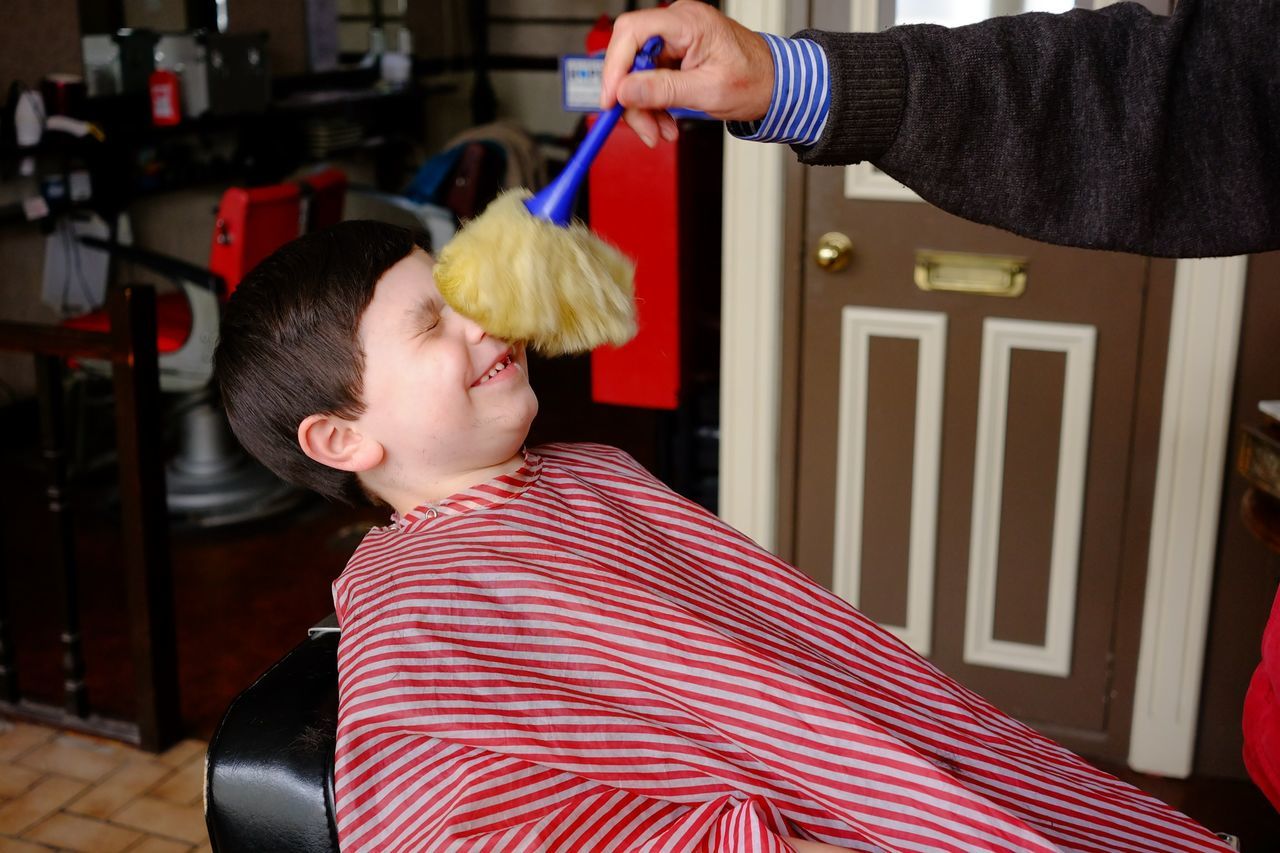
[[524, 271]]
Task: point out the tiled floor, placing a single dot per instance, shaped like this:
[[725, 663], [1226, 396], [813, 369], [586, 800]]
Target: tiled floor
[[62, 791]]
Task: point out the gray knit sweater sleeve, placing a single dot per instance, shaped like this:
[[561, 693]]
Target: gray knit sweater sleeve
[[1115, 129]]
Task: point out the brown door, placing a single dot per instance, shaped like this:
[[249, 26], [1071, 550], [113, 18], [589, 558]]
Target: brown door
[[963, 457]]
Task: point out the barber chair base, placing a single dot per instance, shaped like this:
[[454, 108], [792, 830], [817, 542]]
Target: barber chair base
[[269, 769], [246, 492], [211, 482]]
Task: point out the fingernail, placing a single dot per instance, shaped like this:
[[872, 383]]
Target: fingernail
[[669, 132], [647, 138]]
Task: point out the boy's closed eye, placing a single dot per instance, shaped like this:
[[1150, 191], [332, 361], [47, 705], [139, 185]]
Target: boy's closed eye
[[426, 316]]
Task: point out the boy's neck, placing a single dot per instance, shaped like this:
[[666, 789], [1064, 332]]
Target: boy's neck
[[404, 500]]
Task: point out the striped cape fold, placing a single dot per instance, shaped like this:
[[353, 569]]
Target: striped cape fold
[[574, 658]]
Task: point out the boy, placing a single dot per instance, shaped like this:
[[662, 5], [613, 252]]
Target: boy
[[549, 650]]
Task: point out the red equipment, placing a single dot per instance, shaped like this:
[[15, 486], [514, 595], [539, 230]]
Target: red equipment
[[326, 192], [252, 223], [661, 207], [166, 98]]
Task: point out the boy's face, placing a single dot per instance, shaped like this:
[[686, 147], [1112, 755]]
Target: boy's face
[[432, 398]]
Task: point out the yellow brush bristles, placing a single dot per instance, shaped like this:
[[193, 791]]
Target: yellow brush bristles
[[522, 278]]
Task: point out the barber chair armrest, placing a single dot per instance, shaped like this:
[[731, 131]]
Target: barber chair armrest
[[163, 264], [269, 769]]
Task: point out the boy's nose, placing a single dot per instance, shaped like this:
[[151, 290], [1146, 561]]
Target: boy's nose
[[471, 330]]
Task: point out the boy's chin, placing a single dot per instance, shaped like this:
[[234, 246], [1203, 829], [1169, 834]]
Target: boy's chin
[[507, 439], [523, 418], [528, 424]]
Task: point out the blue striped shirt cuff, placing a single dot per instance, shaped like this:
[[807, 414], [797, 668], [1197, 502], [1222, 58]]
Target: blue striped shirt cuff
[[801, 95]]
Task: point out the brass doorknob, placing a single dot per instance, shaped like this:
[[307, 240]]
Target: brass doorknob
[[834, 251]]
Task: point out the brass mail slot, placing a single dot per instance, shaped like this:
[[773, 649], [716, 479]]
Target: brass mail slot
[[962, 272]]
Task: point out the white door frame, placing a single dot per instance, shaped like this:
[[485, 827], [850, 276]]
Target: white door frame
[[751, 316], [1204, 336]]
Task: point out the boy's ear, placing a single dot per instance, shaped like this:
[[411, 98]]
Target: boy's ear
[[337, 443]]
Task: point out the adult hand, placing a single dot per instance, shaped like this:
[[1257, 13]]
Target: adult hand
[[724, 69]]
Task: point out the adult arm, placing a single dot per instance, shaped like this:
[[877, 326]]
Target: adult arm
[[1116, 129]]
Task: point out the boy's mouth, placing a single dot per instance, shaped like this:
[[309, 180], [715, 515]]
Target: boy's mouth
[[498, 366]]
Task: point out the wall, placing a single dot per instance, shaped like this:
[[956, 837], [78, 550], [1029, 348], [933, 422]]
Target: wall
[[39, 37], [440, 28], [284, 20], [156, 15]]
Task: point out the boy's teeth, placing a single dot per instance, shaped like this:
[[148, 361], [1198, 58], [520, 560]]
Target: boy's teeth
[[494, 371]]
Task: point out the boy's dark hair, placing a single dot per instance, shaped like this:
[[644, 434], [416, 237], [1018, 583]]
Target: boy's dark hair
[[290, 345]]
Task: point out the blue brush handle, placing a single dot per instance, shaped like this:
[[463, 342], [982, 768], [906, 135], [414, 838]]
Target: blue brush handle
[[555, 202]]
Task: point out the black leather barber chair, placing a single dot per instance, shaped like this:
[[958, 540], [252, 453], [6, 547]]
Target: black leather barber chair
[[269, 770]]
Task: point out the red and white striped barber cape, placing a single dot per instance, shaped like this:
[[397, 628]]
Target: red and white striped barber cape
[[574, 658]]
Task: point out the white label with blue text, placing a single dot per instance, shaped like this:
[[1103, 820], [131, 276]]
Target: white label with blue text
[[580, 78]]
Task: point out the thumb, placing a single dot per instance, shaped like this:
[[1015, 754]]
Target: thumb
[[661, 89]]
